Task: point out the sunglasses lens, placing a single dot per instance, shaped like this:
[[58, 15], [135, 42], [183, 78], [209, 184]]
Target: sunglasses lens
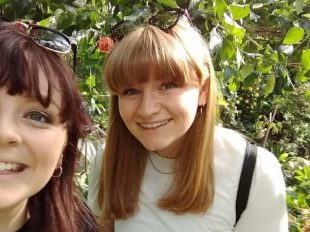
[[50, 39], [121, 29], [165, 20]]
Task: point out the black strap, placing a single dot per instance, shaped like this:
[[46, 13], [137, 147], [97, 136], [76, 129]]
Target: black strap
[[245, 179]]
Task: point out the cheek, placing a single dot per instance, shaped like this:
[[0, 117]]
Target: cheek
[[126, 109], [189, 103], [52, 145], [50, 161]]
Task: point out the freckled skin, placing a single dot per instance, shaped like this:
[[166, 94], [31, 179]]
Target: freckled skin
[[158, 114]]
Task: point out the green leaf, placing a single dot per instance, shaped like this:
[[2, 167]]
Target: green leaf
[[307, 172], [283, 157], [91, 81], [239, 32], [270, 85], [227, 51], [250, 80], [300, 173], [233, 85], [94, 17], [44, 22], [307, 96], [294, 35], [229, 73], [264, 69], [223, 102], [65, 20], [183, 3], [235, 30], [299, 5], [239, 11], [220, 7], [246, 70], [168, 3], [301, 78], [305, 59]]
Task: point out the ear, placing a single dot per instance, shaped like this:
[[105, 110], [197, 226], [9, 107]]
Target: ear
[[203, 93]]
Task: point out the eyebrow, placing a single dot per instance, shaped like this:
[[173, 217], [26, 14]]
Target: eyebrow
[[32, 99], [55, 104]]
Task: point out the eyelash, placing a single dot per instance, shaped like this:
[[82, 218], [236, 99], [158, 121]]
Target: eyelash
[[168, 85], [46, 118], [164, 86], [130, 92]]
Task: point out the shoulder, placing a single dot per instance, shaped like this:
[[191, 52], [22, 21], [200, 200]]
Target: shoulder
[[233, 143], [229, 147], [225, 139], [268, 173], [229, 151], [266, 160]]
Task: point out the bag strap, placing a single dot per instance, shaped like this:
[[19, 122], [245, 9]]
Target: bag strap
[[245, 179]]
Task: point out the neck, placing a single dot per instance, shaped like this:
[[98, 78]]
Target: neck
[[160, 164], [13, 218], [173, 150]]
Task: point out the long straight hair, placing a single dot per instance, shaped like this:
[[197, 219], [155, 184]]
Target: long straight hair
[[180, 56], [57, 207]]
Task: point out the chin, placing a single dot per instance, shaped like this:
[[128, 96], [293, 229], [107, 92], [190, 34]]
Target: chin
[[153, 148]]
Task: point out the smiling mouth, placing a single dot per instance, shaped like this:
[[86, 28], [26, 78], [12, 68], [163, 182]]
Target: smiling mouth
[[11, 167], [154, 125]]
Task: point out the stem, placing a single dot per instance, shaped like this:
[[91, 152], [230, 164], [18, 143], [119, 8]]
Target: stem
[[269, 128], [253, 41]]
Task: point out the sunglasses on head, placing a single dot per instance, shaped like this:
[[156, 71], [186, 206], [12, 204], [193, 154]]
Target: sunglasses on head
[[164, 20], [47, 38]]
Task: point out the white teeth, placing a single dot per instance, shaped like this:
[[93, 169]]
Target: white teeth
[[8, 166], [154, 125]]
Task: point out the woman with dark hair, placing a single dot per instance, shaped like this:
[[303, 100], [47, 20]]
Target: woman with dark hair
[[41, 121]]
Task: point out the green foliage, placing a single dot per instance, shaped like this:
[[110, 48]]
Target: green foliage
[[293, 118], [89, 149], [261, 53], [297, 172]]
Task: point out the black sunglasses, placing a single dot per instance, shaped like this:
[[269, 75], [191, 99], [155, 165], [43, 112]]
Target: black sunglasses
[[164, 20], [48, 38]]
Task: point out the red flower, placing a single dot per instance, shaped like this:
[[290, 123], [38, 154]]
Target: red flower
[[21, 25], [105, 44]]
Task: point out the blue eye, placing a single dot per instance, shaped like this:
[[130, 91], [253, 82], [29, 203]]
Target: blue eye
[[128, 92], [168, 85], [38, 116]]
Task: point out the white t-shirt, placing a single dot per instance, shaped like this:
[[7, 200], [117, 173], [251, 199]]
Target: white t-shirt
[[266, 209]]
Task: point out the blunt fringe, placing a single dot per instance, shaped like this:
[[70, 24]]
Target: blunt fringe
[[57, 207], [180, 56]]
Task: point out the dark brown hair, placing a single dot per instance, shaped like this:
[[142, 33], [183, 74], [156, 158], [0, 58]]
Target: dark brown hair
[[57, 207]]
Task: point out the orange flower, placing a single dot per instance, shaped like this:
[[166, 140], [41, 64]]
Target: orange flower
[[105, 44]]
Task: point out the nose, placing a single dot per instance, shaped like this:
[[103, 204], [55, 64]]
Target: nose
[[9, 133], [149, 104]]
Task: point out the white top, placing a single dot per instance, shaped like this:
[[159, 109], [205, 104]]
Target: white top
[[266, 210]]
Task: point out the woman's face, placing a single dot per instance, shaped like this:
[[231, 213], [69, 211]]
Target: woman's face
[[32, 139], [158, 114]]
